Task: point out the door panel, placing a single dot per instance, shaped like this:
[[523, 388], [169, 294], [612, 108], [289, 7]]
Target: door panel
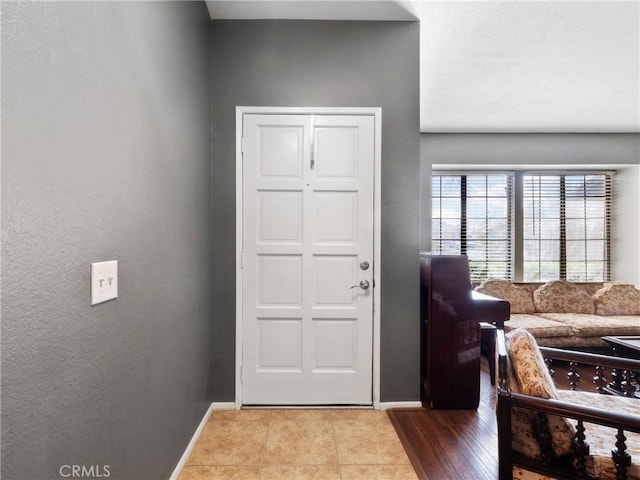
[[337, 152], [279, 280], [332, 279], [307, 226], [335, 344], [279, 216], [279, 347], [332, 228], [281, 151]]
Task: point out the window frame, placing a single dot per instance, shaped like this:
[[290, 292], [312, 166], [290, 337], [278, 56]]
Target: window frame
[[516, 211], [608, 200], [464, 238]]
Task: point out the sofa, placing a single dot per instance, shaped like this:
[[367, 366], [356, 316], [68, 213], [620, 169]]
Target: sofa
[[568, 314], [547, 433]]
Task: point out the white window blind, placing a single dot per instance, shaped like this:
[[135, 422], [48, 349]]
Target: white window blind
[[471, 215], [567, 226]]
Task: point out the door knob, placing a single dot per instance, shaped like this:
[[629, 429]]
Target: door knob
[[364, 284]]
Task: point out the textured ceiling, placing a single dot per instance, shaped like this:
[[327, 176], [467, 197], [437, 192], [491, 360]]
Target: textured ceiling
[[529, 66], [504, 66]]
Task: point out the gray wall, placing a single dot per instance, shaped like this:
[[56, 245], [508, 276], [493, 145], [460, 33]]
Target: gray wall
[[105, 155], [569, 149], [338, 64], [614, 151]]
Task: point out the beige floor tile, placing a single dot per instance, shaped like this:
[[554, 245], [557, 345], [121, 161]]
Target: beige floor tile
[[230, 443], [300, 415], [293, 444], [300, 472], [241, 472], [378, 472], [309, 442], [360, 415], [368, 443], [241, 415]]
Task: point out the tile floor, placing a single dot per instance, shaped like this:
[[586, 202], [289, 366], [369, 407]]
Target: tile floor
[[298, 445]]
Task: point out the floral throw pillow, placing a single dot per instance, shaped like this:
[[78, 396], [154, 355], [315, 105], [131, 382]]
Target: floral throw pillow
[[534, 379], [559, 296], [520, 300], [617, 299], [522, 437], [528, 365]]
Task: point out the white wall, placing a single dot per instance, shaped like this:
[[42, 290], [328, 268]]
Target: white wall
[[626, 226]]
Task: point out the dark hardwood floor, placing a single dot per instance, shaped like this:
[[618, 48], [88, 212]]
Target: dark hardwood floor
[[452, 444], [461, 444]]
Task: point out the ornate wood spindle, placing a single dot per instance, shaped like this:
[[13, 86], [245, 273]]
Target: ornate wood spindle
[[573, 376], [549, 363], [635, 379], [627, 383], [599, 379], [620, 457], [616, 379], [580, 450]]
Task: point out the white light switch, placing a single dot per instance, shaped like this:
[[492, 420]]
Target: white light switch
[[104, 281]]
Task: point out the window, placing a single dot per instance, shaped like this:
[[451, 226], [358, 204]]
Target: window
[[564, 223], [471, 215], [566, 227]]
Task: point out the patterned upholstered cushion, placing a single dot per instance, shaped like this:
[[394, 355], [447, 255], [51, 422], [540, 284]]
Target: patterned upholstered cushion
[[602, 439], [584, 325], [571, 341], [520, 473], [522, 439], [538, 326], [520, 300], [617, 299], [559, 296], [533, 379], [528, 365]]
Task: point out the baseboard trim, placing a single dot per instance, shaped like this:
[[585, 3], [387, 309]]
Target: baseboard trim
[[223, 406], [388, 405], [192, 443]]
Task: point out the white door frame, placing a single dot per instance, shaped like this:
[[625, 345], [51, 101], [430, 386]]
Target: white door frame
[[369, 111]]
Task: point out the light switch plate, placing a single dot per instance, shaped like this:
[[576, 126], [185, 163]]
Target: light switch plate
[[104, 281]]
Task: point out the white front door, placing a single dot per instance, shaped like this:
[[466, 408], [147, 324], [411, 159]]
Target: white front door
[[307, 261]]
